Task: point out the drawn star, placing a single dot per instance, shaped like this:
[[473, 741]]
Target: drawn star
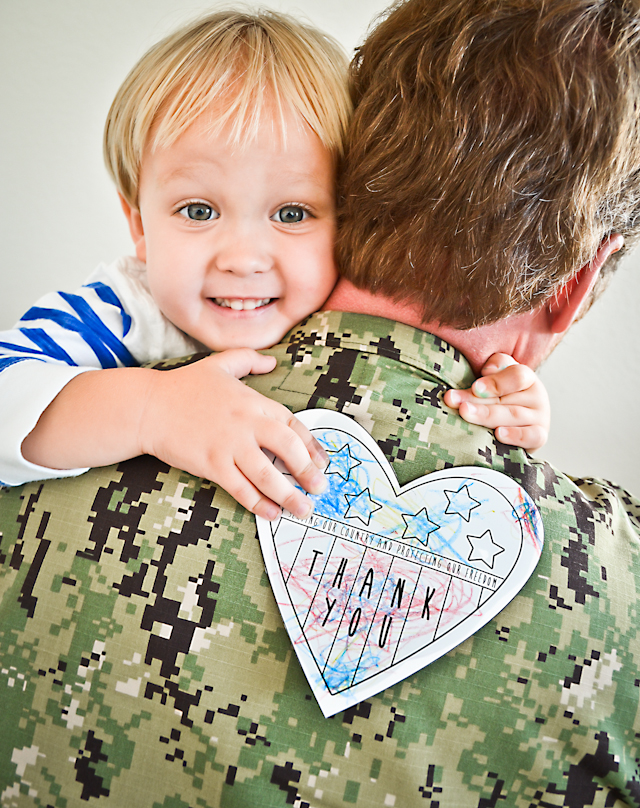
[[361, 506], [483, 548], [461, 502], [418, 526], [341, 462]]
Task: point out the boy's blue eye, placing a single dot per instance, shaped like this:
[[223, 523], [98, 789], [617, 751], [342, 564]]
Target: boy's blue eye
[[290, 214], [198, 212]]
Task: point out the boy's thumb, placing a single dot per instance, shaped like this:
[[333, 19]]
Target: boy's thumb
[[240, 362]]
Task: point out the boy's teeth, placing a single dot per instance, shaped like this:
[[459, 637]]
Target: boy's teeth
[[241, 305]]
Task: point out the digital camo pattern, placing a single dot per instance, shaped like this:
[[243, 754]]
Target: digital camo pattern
[[143, 661]]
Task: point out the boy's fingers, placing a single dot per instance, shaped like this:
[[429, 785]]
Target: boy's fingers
[[247, 495], [512, 379], [454, 398], [285, 442], [316, 452], [529, 437], [497, 362], [268, 482], [241, 362], [508, 415]]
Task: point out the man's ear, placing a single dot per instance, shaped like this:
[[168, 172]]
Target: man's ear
[[568, 303], [135, 228]]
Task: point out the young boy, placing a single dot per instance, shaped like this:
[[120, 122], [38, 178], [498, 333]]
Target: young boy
[[223, 143]]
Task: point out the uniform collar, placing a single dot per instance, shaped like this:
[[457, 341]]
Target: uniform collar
[[376, 335]]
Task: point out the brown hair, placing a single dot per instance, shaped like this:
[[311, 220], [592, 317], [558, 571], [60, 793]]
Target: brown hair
[[248, 64], [495, 144]]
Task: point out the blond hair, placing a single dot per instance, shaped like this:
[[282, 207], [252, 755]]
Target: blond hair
[[244, 63], [495, 144]]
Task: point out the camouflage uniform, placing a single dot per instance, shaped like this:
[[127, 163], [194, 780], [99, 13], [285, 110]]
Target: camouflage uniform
[[144, 663]]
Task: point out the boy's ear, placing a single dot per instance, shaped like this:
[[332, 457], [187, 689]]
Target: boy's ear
[[568, 304], [135, 228]]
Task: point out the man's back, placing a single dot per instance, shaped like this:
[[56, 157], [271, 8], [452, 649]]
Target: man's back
[[143, 656]]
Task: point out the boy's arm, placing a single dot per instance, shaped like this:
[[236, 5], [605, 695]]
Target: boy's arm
[[107, 323], [56, 422], [200, 418], [509, 398]]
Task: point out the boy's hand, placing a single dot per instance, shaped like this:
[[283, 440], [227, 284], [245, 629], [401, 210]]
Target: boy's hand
[[203, 419], [509, 398]]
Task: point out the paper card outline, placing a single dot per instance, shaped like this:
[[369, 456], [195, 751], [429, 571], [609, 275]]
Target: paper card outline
[[525, 521]]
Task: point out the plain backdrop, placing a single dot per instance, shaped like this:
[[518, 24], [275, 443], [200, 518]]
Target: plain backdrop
[[61, 62]]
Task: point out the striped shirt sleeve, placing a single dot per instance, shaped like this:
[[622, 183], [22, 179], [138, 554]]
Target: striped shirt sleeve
[[112, 321], [60, 337]]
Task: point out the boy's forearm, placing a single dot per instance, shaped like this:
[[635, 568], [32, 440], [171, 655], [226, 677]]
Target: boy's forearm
[[199, 417], [94, 420]]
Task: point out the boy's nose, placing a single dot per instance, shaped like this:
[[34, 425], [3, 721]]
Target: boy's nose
[[243, 253], [244, 264]]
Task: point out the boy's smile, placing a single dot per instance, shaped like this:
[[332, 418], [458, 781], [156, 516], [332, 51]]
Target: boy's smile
[[238, 239]]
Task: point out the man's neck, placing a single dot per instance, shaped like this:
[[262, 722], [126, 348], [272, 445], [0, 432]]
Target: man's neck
[[476, 344]]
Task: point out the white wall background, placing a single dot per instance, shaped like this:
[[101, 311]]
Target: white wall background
[[61, 62]]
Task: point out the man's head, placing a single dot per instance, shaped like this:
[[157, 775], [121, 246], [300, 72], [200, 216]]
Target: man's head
[[495, 147]]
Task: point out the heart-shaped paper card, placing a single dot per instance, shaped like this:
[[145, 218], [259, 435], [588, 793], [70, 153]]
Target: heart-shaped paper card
[[382, 580]]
